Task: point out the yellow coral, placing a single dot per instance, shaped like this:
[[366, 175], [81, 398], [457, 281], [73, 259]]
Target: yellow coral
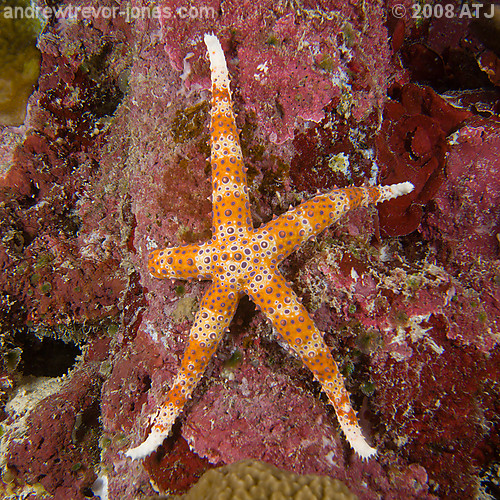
[[19, 64], [254, 480]]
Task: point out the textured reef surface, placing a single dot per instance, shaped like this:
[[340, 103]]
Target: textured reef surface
[[111, 161]]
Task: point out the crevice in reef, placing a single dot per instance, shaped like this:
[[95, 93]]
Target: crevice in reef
[[45, 357]]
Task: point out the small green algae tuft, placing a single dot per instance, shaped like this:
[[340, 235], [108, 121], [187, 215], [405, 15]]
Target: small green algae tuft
[[45, 288], [188, 122], [234, 360]]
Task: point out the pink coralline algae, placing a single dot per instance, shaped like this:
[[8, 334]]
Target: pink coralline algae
[[285, 86], [453, 453], [465, 215], [291, 63]]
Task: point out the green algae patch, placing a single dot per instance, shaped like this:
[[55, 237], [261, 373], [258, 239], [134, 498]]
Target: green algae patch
[[189, 123], [184, 310], [19, 61]]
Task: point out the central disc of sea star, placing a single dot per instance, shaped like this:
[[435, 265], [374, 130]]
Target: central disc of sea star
[[242, 260]]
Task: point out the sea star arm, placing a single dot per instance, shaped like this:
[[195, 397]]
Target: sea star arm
[[292, 321], [178, 262], [231, 207], [186, 261], [216, 311], [293, 228]]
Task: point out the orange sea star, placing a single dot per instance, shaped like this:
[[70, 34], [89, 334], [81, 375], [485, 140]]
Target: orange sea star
[[242, 260]]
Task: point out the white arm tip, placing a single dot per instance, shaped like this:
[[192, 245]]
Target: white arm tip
[[395, 190], [215, 53], [402, 188], [151, 444]]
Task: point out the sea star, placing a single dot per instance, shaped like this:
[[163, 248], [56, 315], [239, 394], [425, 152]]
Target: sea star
[[242, 260]]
